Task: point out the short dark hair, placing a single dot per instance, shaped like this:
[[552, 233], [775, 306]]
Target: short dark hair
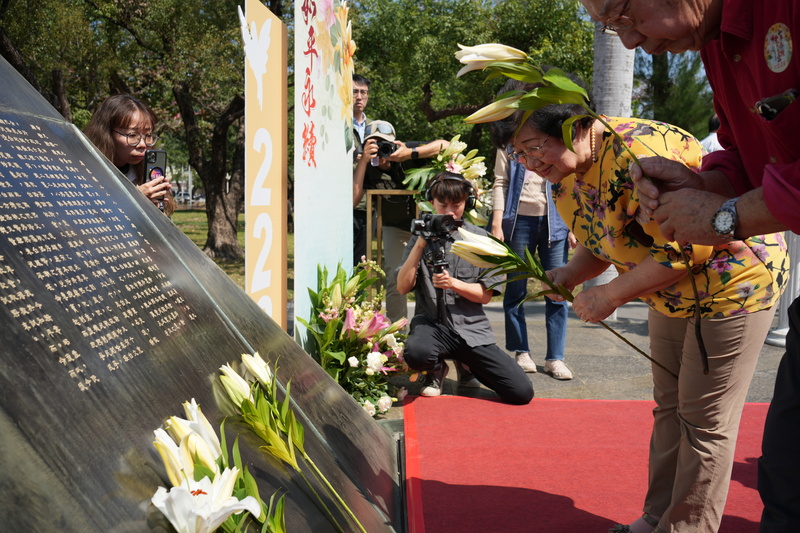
[[449, 187], [713, 123], [547, 119], [358, 78]]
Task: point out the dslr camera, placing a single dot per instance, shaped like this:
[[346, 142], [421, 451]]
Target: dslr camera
[[433, 227], [386, 148]]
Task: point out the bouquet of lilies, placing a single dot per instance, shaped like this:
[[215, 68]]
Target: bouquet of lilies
[[254, 394], [211, 490], [354, 341], [469, 165]]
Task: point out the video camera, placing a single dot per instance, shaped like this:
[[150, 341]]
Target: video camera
[[436, 230], [432, 226]]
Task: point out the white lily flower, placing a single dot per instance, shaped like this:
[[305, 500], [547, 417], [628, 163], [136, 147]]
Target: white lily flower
[[194, 449], [497, 110], [258, 368], [474, 246], [199, 424], [477, 57], [465, 251], [456, 147], [237, 388], [171, 457], [475, 170], [491, 246], [202, 506]]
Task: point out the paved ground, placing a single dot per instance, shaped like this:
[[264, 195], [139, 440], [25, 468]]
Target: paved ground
[[604, 367]]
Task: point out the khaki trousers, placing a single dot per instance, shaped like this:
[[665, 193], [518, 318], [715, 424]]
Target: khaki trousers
[[696, 419]]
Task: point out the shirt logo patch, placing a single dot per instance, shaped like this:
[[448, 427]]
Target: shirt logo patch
[[778, 47]]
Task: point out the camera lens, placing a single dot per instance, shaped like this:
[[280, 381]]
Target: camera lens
[[386, 148]]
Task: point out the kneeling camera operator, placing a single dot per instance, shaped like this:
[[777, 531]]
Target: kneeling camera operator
[[449, 320], [382, 165]]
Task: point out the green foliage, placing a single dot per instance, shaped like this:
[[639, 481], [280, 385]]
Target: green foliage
[[405, 47], [673, 89]]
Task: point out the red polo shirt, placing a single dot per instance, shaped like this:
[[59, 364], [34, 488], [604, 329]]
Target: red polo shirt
[[757, 55]]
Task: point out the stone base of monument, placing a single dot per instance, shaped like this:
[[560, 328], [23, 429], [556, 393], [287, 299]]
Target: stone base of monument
[[112, 319]]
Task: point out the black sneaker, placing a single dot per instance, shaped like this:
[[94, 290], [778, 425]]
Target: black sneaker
[[434, 381], [465, 377]]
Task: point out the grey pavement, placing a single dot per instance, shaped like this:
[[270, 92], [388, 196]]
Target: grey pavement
[[604, 367]]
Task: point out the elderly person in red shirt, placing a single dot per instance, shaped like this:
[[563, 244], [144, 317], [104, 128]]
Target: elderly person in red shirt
[[751, 187]]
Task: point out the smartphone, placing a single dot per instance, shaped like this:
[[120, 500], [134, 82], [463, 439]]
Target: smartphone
[[155, 164]]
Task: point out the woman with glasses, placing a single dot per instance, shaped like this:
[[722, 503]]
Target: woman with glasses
[[699, 397], [525, 217], [122, 129]]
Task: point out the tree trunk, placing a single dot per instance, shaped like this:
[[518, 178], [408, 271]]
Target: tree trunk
[[613, 75], [222, 202], [60, 95], [612, 90]]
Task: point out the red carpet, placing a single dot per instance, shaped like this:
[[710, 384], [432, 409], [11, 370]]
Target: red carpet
[[476, 465]]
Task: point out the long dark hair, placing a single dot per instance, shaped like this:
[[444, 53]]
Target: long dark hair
[[115, 113]]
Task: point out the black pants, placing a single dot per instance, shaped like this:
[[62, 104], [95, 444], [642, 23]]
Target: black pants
[[359, 235], [779, 464], [430, 343]]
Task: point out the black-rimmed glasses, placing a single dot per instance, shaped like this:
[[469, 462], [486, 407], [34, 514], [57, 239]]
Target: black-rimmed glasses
[[135, 138], [619, 23], [534, 152]]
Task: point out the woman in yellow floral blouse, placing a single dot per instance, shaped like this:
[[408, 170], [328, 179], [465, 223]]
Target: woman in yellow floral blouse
[[697, 415]]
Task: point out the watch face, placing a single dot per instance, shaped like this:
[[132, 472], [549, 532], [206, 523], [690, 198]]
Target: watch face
[[724, 222]]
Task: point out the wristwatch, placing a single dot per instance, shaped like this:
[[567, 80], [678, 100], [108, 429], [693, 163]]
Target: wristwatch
[[414, 153], [725, 219]]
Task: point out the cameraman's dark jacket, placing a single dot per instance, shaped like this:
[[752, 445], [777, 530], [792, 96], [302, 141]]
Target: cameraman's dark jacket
[[397, 211], [465, 317]]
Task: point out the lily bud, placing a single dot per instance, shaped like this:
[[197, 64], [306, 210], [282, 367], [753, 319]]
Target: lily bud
[[477, 57], [258, 367]]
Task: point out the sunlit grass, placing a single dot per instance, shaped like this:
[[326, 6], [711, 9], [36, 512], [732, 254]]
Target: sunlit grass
[[194, 224]]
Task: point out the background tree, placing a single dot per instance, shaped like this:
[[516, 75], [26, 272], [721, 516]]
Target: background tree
[[183, 58], [673, 88], [406, 48]]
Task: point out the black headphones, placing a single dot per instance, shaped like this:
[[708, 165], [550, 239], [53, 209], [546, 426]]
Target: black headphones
[[469, 205]]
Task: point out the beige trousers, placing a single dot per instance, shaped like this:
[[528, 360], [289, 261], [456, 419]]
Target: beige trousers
[[696, 419]]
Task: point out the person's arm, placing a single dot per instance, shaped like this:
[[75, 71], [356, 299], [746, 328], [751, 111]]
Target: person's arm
[[474, 292], [407, 274], [683, 202], [360, 170], [582, 266], [499, 190], [597, 303], [424, 151]]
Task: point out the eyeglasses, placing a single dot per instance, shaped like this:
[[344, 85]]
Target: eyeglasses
[[534, 152], [619, 23], [362, 92], [134, 138]]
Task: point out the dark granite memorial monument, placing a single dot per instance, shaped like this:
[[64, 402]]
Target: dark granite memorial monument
[[112, 319]]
